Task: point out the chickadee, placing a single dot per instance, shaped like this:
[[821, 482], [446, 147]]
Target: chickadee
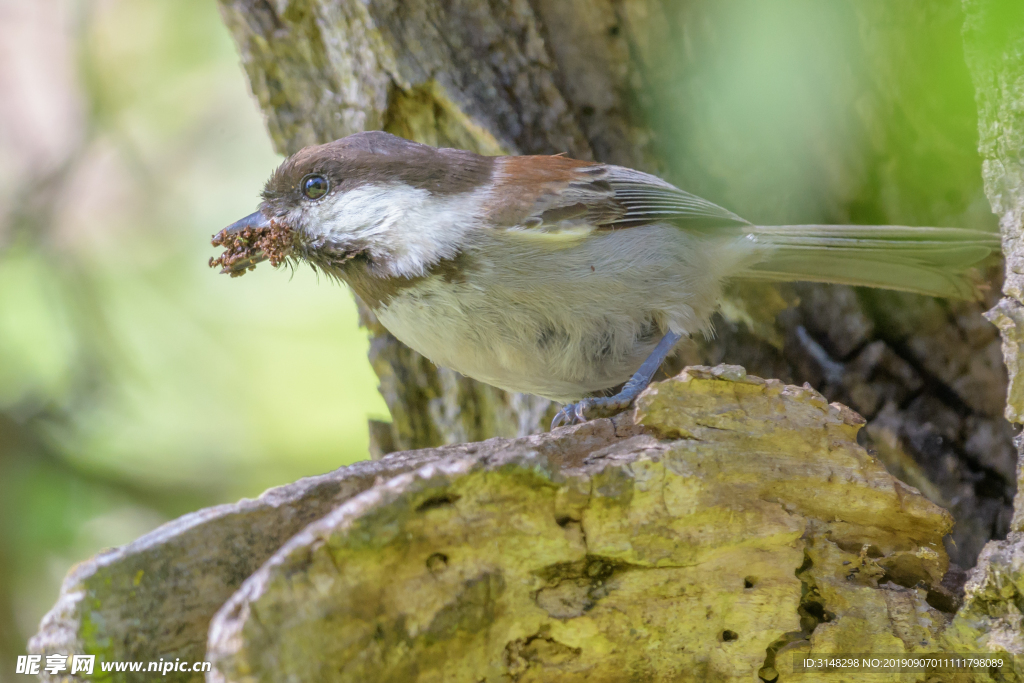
[[553, 276]]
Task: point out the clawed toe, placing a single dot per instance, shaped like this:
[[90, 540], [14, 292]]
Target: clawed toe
[[563, 416], [571, 414], [576, 413]]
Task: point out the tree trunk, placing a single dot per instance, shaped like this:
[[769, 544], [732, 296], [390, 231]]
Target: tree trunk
[[991, 617]]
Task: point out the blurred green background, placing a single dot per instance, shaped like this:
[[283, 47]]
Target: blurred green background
[[136, 384]]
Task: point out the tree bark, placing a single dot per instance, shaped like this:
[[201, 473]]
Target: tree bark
[[728, 527], [991, 617]]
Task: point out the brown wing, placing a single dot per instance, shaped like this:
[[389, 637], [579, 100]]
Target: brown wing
[[550, 193]]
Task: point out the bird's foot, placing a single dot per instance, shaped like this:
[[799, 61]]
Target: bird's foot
[[576, 413], [591, 408]]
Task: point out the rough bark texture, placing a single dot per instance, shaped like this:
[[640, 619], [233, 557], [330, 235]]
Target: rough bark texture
[[992, 614], [635, 83], [733, 525]]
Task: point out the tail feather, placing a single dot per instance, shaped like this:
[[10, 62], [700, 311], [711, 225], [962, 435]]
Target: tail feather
[[932, 261]]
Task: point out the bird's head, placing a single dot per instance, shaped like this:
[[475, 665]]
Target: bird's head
[[396, 204]]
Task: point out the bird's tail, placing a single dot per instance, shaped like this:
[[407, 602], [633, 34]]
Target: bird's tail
[[932, 261]]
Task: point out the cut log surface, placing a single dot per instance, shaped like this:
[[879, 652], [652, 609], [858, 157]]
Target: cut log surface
[[726, 526]]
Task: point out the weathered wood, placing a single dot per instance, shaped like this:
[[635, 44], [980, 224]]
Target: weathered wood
[[991, 617], [742, 521], [734, 523]]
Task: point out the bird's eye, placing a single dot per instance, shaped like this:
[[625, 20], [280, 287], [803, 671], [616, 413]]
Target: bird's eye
[[315, 186]]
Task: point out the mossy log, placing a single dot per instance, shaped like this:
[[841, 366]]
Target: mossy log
[[727, 525]]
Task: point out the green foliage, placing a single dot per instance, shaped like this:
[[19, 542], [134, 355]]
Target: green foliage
[[136, 384]]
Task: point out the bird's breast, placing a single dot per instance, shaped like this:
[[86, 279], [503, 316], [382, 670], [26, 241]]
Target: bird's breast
[[559, 319]]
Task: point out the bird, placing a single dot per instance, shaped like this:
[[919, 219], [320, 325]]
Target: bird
[[549, 275]]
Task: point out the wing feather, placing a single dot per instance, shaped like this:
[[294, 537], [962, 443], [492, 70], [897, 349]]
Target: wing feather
[[648, 199], [549, 194]]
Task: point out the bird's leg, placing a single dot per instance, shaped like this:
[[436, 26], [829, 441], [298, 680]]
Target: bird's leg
[[575, 413]]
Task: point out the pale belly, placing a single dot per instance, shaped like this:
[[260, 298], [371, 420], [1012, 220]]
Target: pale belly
[[563, 321], [517, 347]]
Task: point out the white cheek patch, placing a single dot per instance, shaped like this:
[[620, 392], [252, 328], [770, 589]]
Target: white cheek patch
[[339, 218], [409, 228]]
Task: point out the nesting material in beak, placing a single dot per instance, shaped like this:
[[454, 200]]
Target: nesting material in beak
[[250, 241]]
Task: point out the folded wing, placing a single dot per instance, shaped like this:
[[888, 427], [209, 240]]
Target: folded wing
[[552, 193]]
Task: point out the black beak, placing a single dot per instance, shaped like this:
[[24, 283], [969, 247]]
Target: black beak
[[223, 238], [256, 219]]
